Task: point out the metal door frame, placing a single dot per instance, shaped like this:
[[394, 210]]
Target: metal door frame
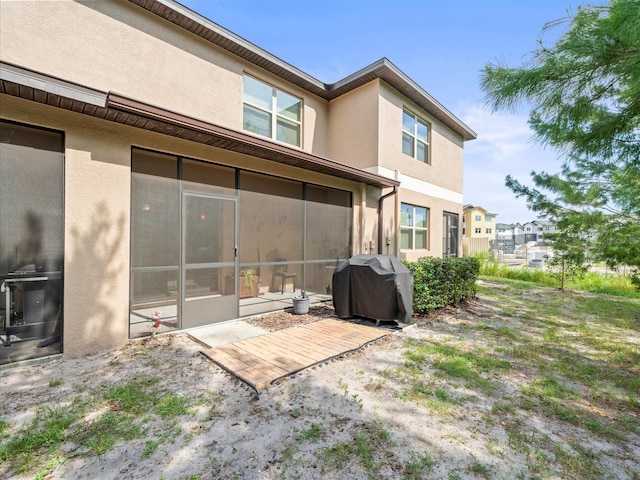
[[225, 313], [446, 217]]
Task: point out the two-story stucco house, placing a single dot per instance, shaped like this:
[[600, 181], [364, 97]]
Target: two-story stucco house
[[155, 167], [479, 228], [507, 235], [536, 230]]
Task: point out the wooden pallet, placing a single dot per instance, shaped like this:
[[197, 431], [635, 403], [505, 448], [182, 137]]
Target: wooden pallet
[[259, 361]]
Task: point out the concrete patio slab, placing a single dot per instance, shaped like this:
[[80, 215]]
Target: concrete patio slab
[[225, 333]]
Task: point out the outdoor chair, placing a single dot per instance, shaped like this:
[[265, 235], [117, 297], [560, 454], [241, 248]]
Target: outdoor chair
[[280, 271]]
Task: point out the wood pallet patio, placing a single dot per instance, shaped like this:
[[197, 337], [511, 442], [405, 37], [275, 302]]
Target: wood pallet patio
[[259, 361]]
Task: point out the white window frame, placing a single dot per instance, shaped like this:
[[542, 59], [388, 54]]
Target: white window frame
[[478, 218], [413, 228], [478, 230], [273, 112], [415, 140]]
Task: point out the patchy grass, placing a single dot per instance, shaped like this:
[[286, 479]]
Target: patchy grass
[[92, 424], [569, 360], [523, 382], [369, 446]]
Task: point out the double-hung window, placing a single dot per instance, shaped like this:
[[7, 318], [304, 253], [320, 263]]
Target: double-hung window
[[415, 136], [271, 112], [413, 227]]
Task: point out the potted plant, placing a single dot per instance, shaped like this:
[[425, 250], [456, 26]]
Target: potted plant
[[301, 304], [248, 284]]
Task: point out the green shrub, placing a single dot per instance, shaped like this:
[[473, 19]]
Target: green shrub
[[438, 282]]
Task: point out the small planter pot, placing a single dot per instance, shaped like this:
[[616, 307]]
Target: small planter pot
[[300, 305]]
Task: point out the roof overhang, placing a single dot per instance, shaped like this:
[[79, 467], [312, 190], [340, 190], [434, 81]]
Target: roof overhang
[[383, 69], [37, 87]]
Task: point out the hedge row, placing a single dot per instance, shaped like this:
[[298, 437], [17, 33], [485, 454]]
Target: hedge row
[[438, 282]]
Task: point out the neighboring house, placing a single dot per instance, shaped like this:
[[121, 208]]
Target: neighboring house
[[507, 235], [530, 230], [507, 231], [536, 230], [479, 227], [547, 228], [156, 168]]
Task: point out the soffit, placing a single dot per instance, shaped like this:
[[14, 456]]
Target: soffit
[[30, 85]]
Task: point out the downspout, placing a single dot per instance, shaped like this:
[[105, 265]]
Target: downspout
[[380, 224]]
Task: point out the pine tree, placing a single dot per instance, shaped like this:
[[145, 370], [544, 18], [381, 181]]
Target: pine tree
[[584, 95]]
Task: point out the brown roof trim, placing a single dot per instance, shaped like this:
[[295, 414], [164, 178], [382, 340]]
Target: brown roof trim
[[239, 142], [385, 70], [34, 86], [382, 69]]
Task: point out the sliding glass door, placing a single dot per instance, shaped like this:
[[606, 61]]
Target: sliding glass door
[[450, 239], [31, 242]]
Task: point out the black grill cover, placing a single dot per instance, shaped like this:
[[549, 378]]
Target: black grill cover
[[373, 286]]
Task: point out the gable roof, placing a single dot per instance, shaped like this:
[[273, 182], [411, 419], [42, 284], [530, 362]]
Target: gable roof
[[468, 208], [382, 69]]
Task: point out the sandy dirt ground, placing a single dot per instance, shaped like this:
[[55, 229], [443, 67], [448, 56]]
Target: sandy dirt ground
[[345, 419]]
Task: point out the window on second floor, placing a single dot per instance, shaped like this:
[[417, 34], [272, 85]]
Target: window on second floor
[[478, 230], [488, 218], [413, 227], [271, 112], [488, 230], [478, 218], [415, 136]]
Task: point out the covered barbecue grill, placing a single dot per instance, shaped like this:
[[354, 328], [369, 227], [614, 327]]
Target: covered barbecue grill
[[379, 287]]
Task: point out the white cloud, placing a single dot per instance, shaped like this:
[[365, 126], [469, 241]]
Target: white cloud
[[501, 137], [504, 147]]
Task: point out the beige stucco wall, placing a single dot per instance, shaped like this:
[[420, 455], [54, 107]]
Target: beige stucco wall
[[366, 131], [112, 45], [353, 126], [97, 214], [446, 148], [436, 207]]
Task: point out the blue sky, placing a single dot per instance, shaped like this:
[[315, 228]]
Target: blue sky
[[441, 45]]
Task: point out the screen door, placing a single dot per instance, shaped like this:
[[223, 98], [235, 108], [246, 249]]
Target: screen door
[[209, 293]]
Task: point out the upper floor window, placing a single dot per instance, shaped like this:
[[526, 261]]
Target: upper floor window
[[415, 137], [488, 218], [478, 218], [271, 112], [478, 230], [488, 230], [413, 227]]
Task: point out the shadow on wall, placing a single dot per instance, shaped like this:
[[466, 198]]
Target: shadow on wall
[[95, 310]]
